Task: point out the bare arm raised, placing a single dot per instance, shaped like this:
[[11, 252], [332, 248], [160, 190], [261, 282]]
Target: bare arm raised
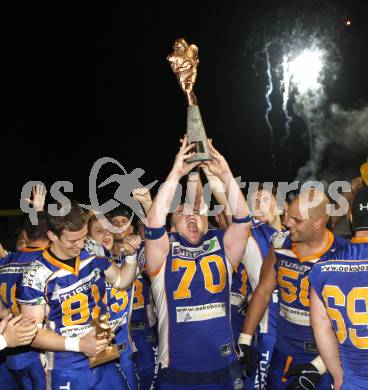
[[157, 249], [236, 235], [123, 278], [219, 191], [143, 196]]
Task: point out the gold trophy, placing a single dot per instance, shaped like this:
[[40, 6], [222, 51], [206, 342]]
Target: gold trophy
[[184, 61], [104, 331]]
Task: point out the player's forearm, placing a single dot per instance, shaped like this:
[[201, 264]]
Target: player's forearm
[[236, 235], [160, 207], [48, 341], [236, 200], [328, 348], [256, 309], [219, 192], [218, 188], [127, 275], [146, 206], [324, 335], [194, 190]]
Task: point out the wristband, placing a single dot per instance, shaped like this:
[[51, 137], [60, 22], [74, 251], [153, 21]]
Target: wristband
[[245, 339], [3, 343], [72, 344], [320, 366], [154, 233], [132, 259], [246, 219]]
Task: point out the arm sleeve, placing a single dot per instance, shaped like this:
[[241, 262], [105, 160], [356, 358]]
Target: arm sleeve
[[104, 263], [252, 261], [141, 258], [34, 281], [314, 277]]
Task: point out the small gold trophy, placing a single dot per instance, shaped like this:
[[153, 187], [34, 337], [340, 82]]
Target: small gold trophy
[[104, 331], [184, 61]]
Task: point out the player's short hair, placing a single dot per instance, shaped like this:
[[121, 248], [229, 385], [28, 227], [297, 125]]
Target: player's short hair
[[39, 230], [92, 219], [74, 221], [121, 211]]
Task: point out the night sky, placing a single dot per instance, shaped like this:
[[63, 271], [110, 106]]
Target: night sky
[[80, 82]]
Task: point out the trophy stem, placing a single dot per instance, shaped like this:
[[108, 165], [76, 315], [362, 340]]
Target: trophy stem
[[196, 134], [192, 100]]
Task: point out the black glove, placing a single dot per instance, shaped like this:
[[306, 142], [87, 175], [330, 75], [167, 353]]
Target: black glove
[[246, 359], [307, 377], [242, 307]]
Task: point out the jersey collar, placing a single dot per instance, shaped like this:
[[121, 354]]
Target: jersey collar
[[60, 264], [31, 249], [330, 241], [359, 240]]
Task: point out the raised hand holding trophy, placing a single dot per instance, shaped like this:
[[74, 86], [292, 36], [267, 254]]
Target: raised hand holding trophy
[[184, 61], [104, 331]]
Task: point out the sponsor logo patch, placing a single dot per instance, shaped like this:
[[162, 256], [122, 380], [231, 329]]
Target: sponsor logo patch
[[310, 347], [209, 246], [137, 325], [225, 350], [200, 312]]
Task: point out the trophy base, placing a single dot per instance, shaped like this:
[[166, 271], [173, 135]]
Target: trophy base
[[107, 355]]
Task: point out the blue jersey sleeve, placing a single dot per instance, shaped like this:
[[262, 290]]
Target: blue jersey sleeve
[[34, 281], [103, 263], [141, 258], [315, 280]]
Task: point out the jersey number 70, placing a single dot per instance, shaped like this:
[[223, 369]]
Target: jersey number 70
[[183, 290]]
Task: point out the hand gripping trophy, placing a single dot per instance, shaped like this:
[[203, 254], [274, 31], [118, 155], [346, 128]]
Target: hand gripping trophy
[[104, 331], [184, 61]]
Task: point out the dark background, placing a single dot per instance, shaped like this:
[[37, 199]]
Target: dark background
[[81, 81]]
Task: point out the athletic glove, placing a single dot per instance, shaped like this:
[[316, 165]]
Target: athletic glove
[[307, 377], [246, 354]]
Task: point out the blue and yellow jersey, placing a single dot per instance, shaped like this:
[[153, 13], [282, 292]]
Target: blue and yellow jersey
[[294, 333], [118, 302], [192, 295], [143, 318], [72, 294], [240, 292], [11, 274], [258, 245], [341, 282], [119, 306]]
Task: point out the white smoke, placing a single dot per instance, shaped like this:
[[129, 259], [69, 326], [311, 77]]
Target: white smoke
[[346, 131], [309, 106]]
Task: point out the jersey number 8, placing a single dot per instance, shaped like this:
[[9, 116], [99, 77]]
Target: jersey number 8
[[76, 309]]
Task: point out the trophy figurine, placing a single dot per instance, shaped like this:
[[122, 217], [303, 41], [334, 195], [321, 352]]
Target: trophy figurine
[[103, 331], [184, 61]]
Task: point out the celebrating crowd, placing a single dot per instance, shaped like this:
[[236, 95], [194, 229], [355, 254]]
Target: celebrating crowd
[[258, 297]]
